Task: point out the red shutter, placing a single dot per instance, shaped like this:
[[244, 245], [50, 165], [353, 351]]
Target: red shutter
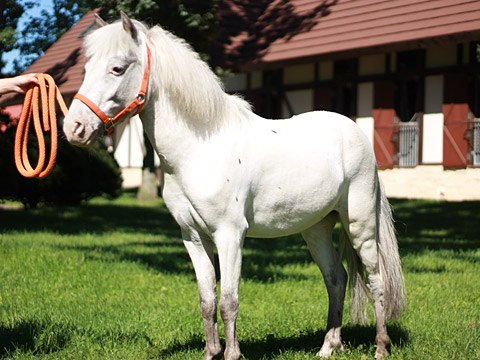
[[384, 124], [455, 146], [455, 112]]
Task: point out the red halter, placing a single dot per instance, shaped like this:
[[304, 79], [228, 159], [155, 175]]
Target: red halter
[[137, 103]]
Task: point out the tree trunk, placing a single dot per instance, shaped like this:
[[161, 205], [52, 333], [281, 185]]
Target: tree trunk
[[148, 189]]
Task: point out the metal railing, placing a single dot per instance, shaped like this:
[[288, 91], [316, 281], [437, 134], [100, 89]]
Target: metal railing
[[476, 144], [408, 140]]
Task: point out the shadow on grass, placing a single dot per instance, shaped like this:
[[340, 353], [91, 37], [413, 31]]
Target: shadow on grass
[[91, 219], [309, 342], [437, 225], [34, 336], [421, 225], [167, 257], [43, 337]]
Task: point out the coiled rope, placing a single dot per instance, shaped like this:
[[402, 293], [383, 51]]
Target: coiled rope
[[48, 92]]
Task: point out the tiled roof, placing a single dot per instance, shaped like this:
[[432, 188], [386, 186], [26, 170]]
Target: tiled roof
[[64, 60], [265, 33], [271, 32]]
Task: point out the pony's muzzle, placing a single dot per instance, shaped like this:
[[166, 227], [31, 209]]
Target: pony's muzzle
[[78, 129], [79, 133]]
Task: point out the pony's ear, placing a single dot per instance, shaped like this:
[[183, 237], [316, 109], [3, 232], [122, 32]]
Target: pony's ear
[[99, 21], [128, 26]]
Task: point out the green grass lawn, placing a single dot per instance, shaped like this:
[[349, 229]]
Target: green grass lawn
[[111, 280]]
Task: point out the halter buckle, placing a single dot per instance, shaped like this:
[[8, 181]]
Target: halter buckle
[[109, 126]]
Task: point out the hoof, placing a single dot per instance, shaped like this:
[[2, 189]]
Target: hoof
[[213, 356], [233, 355], [381, 354], [383, 343], [216, 357], [324, 354], [326, 351]]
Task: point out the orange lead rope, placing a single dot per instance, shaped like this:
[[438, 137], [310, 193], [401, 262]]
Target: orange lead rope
[[48, 93]]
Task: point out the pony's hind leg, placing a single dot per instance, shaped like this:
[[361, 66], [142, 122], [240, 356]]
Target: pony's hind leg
[[200, 250], [360, 225], [319, 241]]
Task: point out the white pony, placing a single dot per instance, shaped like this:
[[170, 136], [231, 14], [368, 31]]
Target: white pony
[[230, 174]]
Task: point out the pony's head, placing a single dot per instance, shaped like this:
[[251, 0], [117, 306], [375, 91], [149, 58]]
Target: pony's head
[[117, 57], [181, 86]]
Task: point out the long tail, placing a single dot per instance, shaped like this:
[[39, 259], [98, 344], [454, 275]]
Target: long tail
[[390, 268]]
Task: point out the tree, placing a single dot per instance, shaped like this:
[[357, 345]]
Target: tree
[[10, 13], [42, 31], [78, 175], [189, 19], [193, 20]]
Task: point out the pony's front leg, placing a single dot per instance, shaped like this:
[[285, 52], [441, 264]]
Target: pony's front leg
[[200, 249], [229, 245]]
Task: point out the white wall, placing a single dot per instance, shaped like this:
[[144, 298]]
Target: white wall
[[432, 146], [432, 140], [130, 151], [364, 109], [300, 100], [235, 82], [325, 70], [433, 94], [367, 125], [256, 79], [299, 74], [371, 64], [441, 56]]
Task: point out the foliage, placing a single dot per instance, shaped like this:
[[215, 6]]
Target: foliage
[[112, 280], [194, 21], [79, 174], [10, 13], [42, 31]]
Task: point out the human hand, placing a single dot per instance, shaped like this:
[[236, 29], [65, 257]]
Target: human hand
[[19, 84]]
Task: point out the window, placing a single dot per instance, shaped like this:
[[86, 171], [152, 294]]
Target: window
[[345, 88], [409, 103], [410, 84]]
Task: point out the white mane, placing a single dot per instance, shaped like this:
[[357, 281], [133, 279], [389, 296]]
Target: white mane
[[177, 71]]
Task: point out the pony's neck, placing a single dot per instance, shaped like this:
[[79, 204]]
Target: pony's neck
[[188, 88], [177, 138], [186, 106]]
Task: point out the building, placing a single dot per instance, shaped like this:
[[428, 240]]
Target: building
[[407, 71]]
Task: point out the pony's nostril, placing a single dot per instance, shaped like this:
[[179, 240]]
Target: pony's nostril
[[78, 129]]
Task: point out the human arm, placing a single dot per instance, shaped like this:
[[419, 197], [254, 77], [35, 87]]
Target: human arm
[[19, 84]]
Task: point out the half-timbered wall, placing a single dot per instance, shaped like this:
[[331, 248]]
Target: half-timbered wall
[[419, 109]]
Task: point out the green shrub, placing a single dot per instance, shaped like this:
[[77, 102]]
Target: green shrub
[[79, 174]]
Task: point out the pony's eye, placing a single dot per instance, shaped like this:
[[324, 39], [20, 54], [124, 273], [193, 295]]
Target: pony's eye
[[117, 70]]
